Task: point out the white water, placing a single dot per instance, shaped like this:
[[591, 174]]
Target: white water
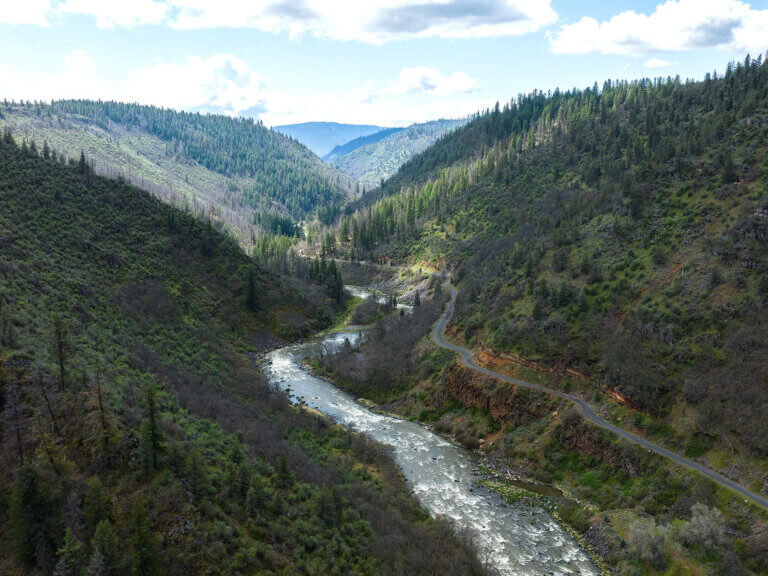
[[517, 539]]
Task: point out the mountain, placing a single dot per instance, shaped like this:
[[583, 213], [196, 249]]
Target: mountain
[[630, 216], [353, 145], [231, 170], [138, 434], [378, 156], [322, 137], [612, 242]]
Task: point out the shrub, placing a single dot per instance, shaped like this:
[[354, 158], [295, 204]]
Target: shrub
[[647, 542], [705, 529]]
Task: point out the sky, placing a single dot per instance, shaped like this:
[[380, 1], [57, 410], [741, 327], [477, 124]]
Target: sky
[[385, 62]]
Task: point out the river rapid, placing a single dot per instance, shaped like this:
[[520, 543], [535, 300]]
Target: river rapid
[[515, 539]]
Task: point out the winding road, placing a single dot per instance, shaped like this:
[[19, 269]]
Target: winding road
[[587, 411]]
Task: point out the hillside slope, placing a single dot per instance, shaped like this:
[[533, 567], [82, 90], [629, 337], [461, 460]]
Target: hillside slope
[[226, 169], [322, 137], [352, 145], [619, 233], [375, 161], [138, 436], [612, 244]]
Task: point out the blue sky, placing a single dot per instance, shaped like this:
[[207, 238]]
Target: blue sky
[[387, 62]]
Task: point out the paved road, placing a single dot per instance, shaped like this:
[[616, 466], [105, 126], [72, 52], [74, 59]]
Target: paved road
[[588, 412]]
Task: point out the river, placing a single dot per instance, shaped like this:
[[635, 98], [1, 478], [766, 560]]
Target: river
[[516, 539]]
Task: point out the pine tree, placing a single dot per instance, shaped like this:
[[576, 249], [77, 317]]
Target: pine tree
[[284, 475], [104, 542], [97, 566], [142, 540], [29, 512], [254, 500], [195, 472], [100, 422], [438, 294], [251, 299], [151, 439], [96, 505], [61, 347], [7, 330], [729, 174], [69, 556]]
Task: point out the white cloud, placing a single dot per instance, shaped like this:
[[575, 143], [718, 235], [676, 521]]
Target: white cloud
[[423, 79], [79, 64], [221, 83], [656, 63], [418, 93], [394, 111], [416, 80], [111, 13], [674, 26], [25, 12], [372, 21], [77, 79], [225, 84]]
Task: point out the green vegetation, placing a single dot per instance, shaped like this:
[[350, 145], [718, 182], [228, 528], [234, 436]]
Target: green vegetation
[[139, 437], [370, 162], [619, 232], [387, 367], [632, 508], [359, 142], [613, 241], [224, 169]]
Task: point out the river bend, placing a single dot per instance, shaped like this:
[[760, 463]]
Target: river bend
[[516, 539]]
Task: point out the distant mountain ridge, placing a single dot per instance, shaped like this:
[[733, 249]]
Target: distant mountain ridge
[[322, 137], [353, 145], [370, 159]]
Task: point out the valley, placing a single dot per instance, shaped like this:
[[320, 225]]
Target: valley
[[608, 246], [513, 539], [428, 332], [438, 394], [139, 434]]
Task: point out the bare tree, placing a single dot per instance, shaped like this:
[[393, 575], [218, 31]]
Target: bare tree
[[46, 400], [705, 529], [647, 542], [14, 410]]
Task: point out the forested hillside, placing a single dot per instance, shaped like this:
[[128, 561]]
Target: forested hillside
[[138, 435], [358, 142], [371, 162], [619, 232], [227, 169]]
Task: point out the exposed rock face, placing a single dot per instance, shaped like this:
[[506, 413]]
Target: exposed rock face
[[506, 403], [511, 405]]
